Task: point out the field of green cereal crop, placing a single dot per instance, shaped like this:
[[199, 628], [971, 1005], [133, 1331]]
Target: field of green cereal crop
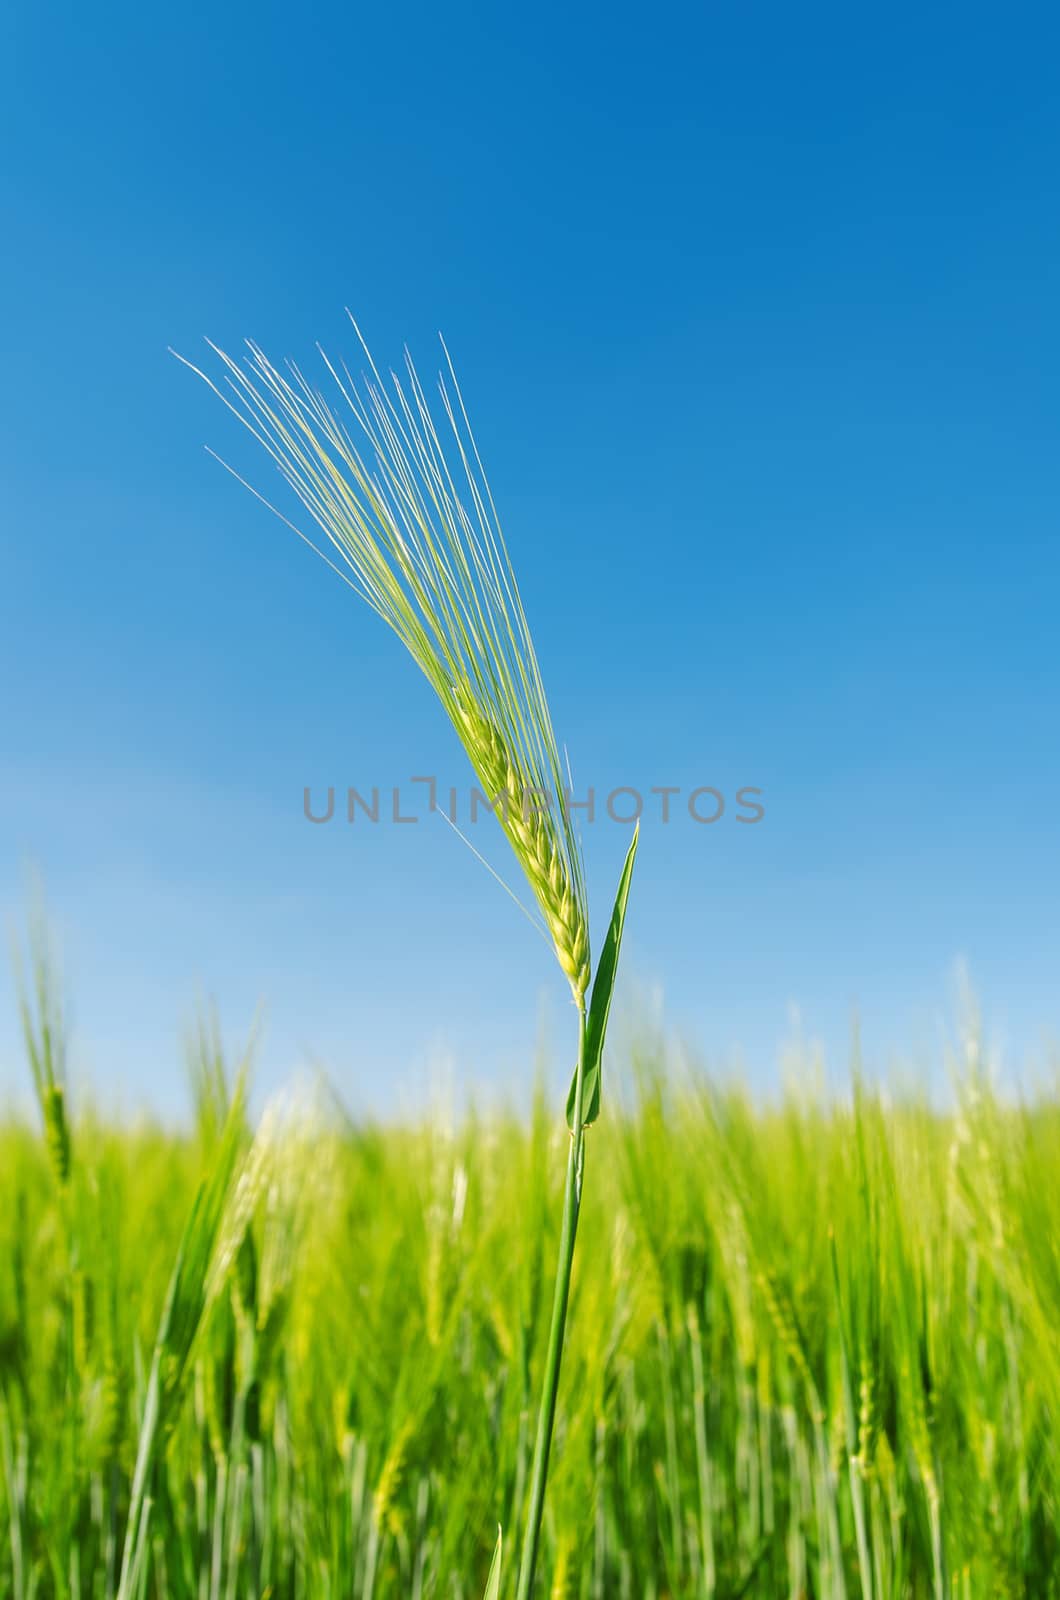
[[812, 1346]]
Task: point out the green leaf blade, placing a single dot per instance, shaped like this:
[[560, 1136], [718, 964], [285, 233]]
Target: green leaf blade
[[600, 1004], [493, 1582]]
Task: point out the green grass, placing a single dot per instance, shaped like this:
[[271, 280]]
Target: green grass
[[813, 1349]]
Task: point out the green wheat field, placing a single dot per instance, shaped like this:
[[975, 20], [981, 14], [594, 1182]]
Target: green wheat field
[[812, 1348]]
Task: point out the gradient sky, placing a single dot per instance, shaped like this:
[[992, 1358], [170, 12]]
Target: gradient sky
[[756, 312]]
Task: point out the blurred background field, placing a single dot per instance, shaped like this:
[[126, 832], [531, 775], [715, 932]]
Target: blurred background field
[[812, 1348]]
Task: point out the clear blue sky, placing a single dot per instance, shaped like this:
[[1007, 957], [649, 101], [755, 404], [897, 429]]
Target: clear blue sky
[[756, 311]]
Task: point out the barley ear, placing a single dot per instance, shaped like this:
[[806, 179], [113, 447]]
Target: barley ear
[[409, 523], [43, 1021], [530, 826]]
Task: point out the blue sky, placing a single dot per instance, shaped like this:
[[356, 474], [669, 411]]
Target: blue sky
[[756, 313]]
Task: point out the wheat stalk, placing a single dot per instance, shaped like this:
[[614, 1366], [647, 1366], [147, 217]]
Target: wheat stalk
[[417, 536]]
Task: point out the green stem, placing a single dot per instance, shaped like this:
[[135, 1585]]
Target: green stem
[[572, 1197]]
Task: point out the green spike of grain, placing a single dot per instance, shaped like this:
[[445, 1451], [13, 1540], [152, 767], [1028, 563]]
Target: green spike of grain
[[42, 1016], [82, 1318], [57, 1132], [112, 1408], [782, 1317], [419, 540], [385, 1507], [919, 1432], [531, 829], [566, 1579], [868, 1420]]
